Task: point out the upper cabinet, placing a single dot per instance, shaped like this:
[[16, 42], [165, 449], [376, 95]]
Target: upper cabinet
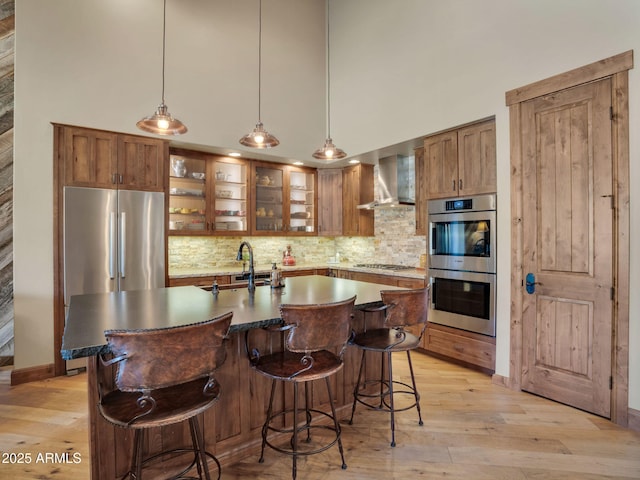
[[208, 194], [212, 194], [284, 200], [269, 206], [303, 200], [229, 189], [460, 162], [477, 159], [100, 159], [330, 201], [141, 163], [421, 188], [357, 189]]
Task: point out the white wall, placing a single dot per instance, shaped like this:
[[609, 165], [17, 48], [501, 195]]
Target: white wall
[[400, 69], [406, 68]]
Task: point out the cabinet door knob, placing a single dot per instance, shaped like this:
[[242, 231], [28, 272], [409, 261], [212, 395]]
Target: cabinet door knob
[[460, 184]]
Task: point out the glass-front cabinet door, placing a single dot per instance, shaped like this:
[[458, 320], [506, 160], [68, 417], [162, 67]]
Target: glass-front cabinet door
[[285, 200], [208, 194], [187, 194], [269, 198], [229, 194], [302, 201]]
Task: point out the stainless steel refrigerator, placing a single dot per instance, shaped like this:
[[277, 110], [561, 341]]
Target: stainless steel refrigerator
[[113, 241]]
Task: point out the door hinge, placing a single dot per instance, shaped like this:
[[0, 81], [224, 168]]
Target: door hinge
[[612, 199], [611, 113], [611, 382], [613, 293]]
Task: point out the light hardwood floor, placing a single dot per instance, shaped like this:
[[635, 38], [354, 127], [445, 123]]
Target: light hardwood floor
[[472, 430]]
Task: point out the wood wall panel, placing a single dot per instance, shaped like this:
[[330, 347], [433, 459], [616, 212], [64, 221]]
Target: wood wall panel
[[7, 55]]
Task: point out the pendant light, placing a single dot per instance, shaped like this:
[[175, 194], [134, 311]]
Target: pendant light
[[329, 151], [259, 137], [161, 122]]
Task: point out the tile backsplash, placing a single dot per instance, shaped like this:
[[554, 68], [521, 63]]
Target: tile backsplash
[[394, 242]]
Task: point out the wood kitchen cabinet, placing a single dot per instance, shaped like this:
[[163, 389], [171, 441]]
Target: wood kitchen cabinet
[[205, 281], [101, 159], [330, 202], [466, 347], [382, 279], [461, 162], [357, 189], [421, 192], [284, 199], [208, 194]]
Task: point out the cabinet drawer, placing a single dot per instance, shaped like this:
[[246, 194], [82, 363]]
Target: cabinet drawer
[[298, 273], [461, 345], [410, 283], [204, 281]]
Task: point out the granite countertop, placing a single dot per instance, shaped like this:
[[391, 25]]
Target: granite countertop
[[90, 315], [263, 268]]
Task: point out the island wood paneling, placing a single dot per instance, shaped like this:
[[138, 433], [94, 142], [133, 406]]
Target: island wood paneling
[[232, 427]]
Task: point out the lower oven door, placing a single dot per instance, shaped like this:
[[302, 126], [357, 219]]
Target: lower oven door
[[463, 300]]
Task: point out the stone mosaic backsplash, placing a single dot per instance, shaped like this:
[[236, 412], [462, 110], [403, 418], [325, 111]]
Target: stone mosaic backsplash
[[394, 242]]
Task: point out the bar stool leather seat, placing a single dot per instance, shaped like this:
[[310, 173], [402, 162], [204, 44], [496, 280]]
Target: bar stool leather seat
[[403, 309], [165, 376], [313, 333]]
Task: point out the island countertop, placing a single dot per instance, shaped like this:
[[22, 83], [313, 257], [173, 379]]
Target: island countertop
[[90, 315]]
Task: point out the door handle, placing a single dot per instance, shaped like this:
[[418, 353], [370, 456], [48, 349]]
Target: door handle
[[123, 244], [531, 283], [112, 245]]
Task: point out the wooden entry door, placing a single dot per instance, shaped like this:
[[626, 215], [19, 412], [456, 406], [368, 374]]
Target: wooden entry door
[[568, 252]]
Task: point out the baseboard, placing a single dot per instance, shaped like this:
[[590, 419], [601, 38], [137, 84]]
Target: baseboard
[[634, 419], [501, 380], [31, 374]]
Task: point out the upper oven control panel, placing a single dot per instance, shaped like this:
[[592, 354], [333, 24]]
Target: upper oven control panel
[[475, 203], [460, 204]]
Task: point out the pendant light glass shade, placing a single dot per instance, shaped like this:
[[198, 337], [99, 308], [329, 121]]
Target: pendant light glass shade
[[259, 137], [161, 122], [329, 151]]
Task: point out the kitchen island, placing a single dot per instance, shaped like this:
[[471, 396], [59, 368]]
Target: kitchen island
[[232, 427]]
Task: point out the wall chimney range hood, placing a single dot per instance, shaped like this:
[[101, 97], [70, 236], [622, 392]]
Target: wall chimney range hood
[[396, 183]]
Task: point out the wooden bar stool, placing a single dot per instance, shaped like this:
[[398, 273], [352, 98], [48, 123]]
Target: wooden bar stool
[[313, 333], [403, 309], [165, 376]]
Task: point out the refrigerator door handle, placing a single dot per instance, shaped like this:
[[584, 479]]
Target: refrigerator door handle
[[123, 242], [112, 245]]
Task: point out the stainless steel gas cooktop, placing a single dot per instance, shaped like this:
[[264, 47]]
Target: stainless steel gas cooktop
[[383, 266]]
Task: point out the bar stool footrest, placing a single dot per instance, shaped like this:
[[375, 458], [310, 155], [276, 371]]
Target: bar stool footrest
[[177, 452], [307, 427], [361, 397]]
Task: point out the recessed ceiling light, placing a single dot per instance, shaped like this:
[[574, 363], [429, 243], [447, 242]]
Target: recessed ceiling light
[[354, 160], [234, 154], [298, 163]]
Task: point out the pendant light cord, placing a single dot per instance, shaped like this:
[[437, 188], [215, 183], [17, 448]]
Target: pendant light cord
[[328, 76], [164, 35], [259, 61]]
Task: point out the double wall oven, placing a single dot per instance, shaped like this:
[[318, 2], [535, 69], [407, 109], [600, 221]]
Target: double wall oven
[[462, 263]]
